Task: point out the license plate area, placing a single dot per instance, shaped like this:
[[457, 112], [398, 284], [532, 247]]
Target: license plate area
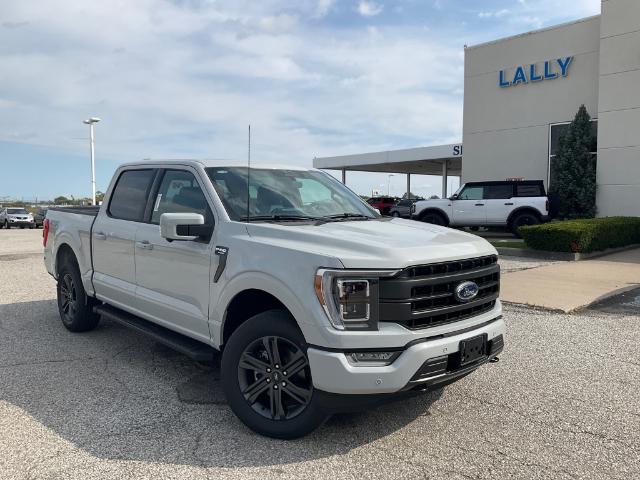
[[473, 349]]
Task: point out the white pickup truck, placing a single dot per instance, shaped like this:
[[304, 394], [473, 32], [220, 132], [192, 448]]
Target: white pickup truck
[[511, 204], [317, 303]]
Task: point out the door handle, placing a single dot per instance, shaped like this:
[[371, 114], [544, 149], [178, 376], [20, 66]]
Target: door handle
[[479, 204], [100, 235], [509, 203], [144, 245]]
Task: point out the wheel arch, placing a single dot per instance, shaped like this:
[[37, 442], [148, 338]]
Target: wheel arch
[[439, 211], [521, 210]]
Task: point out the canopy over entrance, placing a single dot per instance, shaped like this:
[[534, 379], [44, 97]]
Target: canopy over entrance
[[441, 160]]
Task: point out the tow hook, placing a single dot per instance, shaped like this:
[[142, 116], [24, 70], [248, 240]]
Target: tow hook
[[494, 360]]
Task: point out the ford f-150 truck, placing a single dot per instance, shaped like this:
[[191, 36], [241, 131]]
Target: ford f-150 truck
[[317, 302]]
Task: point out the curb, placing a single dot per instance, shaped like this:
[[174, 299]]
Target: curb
[[566, 256]]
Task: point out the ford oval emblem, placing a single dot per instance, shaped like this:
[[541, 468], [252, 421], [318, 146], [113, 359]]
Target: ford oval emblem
[[466, 291]]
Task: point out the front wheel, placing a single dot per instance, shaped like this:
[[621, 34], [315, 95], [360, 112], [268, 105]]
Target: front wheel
[[521, 220], [267, 379], [395, 214], [434, 218], [6, 225]]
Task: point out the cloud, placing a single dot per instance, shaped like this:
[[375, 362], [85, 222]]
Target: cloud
[[494, 14], [323, 8], [369, 9]]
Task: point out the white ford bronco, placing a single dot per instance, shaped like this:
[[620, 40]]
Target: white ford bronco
[[317, 303], [510, 204]]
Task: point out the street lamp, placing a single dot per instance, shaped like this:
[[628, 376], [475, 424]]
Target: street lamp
[[389, 184], [90, 121]]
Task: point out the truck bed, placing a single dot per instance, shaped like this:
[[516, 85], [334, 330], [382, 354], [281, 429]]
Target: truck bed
[[90, 210]]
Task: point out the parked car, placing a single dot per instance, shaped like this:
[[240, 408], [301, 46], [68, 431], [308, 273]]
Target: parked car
[[317, 303], [16, 217], [511, 204], [383, 204], [39, 216], [403, 207]]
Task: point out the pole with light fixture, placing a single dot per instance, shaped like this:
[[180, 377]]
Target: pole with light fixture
[[90, 121]]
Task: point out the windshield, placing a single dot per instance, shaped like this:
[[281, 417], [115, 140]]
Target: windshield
[[16, 211], [285, 195]]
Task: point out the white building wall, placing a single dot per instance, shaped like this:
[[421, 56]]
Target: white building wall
[[619, 109], [506, 130]]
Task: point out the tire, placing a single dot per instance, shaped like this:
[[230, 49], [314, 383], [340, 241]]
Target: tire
[[395, 214], [31, 227], [434, 218], [6, 225], [21, 227], [522, 219], [256, 381], [474, 229], [75, 308]]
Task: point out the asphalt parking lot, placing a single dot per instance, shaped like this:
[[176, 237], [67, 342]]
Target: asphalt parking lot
[[563, 402]]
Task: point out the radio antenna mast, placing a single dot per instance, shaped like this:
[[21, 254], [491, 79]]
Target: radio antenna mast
[[248, 172]]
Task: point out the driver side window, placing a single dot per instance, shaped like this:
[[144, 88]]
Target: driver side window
[[471, 193], [180, 192]]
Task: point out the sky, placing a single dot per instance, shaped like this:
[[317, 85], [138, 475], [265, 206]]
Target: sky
[[184, 78]]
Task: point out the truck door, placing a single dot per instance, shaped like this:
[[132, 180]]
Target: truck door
[[499, 202], [173, 278], [469, 208], [113, 237]]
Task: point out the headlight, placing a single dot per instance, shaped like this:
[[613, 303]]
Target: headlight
[[350, 297]]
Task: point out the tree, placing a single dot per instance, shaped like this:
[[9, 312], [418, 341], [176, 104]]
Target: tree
[[61, 200], [573, 176], [410, 196], [99, 197]]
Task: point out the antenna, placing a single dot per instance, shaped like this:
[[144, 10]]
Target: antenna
[[248, 173]]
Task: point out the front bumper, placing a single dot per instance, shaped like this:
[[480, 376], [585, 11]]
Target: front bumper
[[20, 222], [423, 362]]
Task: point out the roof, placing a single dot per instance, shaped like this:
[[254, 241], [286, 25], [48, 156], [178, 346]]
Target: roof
[[532, 32], [215, 163], [420, 160]]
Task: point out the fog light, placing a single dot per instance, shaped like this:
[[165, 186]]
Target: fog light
[[372, 358]]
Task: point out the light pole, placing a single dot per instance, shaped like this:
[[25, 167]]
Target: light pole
[[389, 184], [90, 121]]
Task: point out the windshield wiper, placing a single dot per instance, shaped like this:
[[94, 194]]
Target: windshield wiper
[[339, 217], [277, 217]]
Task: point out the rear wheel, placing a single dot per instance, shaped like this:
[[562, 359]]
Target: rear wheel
[[521, 220], [267, 379], [395, 214], [75, 308], [434, 218]]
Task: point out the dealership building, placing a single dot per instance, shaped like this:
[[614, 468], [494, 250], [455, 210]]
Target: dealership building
[[521, 92]]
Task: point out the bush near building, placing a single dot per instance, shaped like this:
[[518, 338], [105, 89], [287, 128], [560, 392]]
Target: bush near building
[[584, 235]]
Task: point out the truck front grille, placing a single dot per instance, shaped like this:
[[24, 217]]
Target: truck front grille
[[423, 296]]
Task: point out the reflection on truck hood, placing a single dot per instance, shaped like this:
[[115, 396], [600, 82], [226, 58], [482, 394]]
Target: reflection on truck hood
[[371, 244]]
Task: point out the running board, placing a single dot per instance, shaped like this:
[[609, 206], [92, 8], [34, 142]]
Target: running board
[[198, 351]]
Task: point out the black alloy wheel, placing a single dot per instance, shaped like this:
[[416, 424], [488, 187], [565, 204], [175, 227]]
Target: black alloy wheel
[[521, 220], [433, 218], [266, 377], [68, 299], [273, 375]]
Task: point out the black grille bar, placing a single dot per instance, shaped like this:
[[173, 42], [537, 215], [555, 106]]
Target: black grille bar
[[423, 296]]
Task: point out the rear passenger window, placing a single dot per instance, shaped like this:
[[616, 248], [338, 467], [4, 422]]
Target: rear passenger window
[[498, 191], [180, 192], [529, 191], [129, 197]]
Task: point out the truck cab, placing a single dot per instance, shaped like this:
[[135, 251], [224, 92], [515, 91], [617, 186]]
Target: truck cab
[[316, 302]]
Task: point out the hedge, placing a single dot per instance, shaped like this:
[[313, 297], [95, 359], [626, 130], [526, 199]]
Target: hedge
[[586, 235]]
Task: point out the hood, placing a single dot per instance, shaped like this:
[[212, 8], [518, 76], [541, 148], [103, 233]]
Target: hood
[[384, 243]]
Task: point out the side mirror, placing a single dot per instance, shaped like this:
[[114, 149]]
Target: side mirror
[[453, 197], [183, 226]]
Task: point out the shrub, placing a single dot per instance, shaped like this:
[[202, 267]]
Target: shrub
[[585, 235]]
